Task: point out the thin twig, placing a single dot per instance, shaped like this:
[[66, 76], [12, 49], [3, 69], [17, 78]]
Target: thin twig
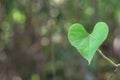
[[115, 71]]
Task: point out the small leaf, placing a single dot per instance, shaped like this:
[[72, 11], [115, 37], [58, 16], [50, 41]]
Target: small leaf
[[86, 43]]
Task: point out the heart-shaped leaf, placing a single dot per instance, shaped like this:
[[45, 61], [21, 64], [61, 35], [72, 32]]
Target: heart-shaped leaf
[[87, 44]]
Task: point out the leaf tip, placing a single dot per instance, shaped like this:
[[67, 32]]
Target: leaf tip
[[89, 61]]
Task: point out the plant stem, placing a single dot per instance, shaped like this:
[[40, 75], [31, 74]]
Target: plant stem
[[109, 60]]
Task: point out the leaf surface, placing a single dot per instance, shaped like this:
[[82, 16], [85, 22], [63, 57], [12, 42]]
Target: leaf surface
[[87, 44]]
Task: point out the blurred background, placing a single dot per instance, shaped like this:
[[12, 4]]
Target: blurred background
[[34, 43]]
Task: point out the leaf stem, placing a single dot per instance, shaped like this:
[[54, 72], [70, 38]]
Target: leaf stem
[[109, 60]]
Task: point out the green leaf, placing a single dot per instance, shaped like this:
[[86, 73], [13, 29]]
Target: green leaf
[[87, 44]]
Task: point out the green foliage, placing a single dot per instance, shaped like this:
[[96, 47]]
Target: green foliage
[[24, 23], [86, 43], [35, 77], [18, 16]]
